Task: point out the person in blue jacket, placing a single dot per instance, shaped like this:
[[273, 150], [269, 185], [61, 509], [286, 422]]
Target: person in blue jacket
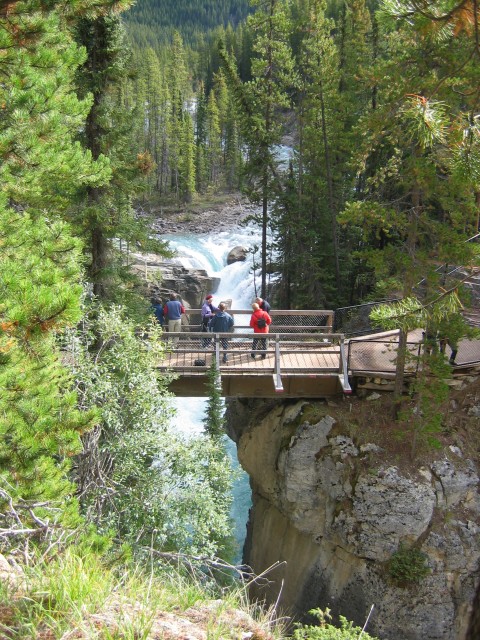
[[157, 308], [174, 309], [222, 322]]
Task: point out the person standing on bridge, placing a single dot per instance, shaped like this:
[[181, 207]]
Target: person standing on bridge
[[263, 304], [222, 322], [157, 309], [208, 311], [259, 321], [449, 334], [174, 309]]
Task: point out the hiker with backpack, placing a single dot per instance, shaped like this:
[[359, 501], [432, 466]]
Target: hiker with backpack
[[259, 321]]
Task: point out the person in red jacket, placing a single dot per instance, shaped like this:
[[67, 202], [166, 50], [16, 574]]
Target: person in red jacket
[[259, 321]]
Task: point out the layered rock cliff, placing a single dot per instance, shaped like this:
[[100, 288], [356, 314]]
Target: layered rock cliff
[[356, 521]]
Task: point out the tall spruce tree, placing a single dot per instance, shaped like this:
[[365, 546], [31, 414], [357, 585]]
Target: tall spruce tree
[[269, 91], [312, 233], [107, 214], [41, 169], [214, 139]]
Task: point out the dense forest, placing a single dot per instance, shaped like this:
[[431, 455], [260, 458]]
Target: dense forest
[[102, 115], [326, 76], [152, 22]]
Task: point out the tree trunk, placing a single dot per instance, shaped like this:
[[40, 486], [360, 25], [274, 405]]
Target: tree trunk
[[331, 201], [264, 242], [99, 261]]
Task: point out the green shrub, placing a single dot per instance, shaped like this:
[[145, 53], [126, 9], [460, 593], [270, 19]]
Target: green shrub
[[139, 480], [326, 631], [408, 566]]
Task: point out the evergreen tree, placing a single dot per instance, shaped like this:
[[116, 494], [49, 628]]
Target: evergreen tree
[[414, 214], [214, 421], [214, 141], [179, 92], [320, 181], [268, 94], [186, 162], [107, 214], [41, 170], [201, 162], [233, 161]]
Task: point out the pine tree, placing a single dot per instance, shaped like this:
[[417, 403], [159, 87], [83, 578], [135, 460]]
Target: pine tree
[[179, 92], [201, 140], [313, 233], [214, 140], [268, 93], [186, 162], [414, 214], [41, 170], [214, 421], [107, 214]]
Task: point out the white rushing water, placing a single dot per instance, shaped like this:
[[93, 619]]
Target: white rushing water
[[237, 282], [210, 251]]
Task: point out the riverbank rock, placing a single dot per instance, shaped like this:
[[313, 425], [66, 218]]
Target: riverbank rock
[[160, 277], [222, 216], [337, 509]]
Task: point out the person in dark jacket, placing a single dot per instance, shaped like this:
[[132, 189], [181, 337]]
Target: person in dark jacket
[[208, 311], [260, 322], [222, 322], [174, 309], [157, 308], [263, 304]]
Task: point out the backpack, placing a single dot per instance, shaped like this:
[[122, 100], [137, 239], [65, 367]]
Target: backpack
[[261, 323]]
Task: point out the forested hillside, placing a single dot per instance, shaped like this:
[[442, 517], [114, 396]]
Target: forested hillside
[[152, 22], [325, 77]]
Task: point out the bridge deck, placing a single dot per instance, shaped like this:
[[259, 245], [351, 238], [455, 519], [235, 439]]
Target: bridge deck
[[240, 360], [295, 364]]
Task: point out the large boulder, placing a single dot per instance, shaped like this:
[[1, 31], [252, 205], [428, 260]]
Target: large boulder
[[237, 254]]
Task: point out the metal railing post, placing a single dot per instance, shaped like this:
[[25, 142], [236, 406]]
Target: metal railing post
[[277, 378], [217, 350], [343, 374]]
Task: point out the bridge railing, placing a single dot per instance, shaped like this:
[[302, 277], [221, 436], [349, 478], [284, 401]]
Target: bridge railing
[[300, 353], [355, 320], [378, 354], [285, 321]]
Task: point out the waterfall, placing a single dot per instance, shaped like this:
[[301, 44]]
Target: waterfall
[[210, 251], [237, 282]]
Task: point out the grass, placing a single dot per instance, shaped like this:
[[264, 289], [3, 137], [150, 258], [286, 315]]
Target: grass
[[77, 596]]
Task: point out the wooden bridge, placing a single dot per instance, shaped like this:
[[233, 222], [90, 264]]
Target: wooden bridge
[[302, 356]]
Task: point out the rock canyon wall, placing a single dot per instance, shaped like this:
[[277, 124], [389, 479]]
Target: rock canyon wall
[[336, 508]]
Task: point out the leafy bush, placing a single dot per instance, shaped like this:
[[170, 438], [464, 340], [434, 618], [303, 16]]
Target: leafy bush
[[137, 478], [408, 566], [326, 631]]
